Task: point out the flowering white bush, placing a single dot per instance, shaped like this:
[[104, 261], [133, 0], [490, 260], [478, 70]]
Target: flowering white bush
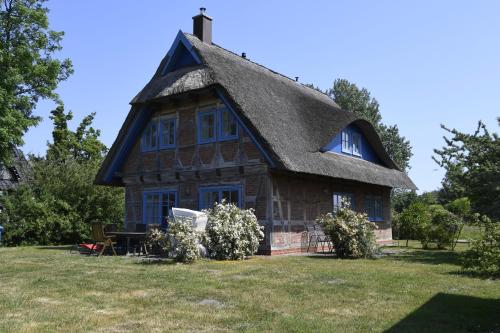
[[159, 242], [351, 233], [232, 233], [183, 244]]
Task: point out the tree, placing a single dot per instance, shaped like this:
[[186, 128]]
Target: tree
[[61, 201], [402, 199], [359, 101], [472, 164], [81, 145], [28, 70]]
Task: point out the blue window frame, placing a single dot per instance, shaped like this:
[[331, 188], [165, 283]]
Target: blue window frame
[[150, 136], [212, 194], [207, 126], [167, 132], [157, 205], [346, 142], [374, 207], [216, 125], [356, 144], [159, 133], [228, 128], [341, 200]]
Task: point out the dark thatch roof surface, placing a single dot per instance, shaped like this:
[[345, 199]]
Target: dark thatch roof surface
[[291, 121], [18, 172]]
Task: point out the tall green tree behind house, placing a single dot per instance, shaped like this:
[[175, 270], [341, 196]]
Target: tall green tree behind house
[[61, 202], [28, 69], [472, 164]]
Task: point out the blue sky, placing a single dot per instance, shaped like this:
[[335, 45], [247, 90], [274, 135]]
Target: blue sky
[[426, 62]]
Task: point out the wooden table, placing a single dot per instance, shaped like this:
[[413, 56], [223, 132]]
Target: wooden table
[[128, 235]]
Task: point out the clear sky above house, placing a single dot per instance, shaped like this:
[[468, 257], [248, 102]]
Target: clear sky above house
[[427, 62]]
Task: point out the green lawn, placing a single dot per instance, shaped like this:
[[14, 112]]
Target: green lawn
[[51, 290]]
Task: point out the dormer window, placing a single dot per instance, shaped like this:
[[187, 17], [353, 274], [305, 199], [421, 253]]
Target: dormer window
[[346, 143], [356, 144], [351, 142]]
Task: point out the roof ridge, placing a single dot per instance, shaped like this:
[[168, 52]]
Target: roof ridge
[[265, 67]]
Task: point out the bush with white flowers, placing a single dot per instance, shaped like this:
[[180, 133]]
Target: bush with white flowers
[[183, 240], [351, 233], [232, 233]]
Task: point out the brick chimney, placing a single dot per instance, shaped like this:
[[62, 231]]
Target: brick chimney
[[202, 26]]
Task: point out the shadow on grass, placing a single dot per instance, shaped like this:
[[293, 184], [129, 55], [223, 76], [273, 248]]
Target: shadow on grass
[[433, 257], [452, 313], [56, 247]]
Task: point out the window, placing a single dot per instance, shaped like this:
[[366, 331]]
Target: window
[[211, 195], [149, 139], [356, 144], [216, 125], [157, 205], [374, 208], [341, 200], [167, 132], [159, 134], [346, 144], [228, 127], [206, 127]]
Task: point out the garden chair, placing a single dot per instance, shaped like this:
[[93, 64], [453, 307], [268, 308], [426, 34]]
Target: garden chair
[[322, 238], [312, 239], [101, 239]]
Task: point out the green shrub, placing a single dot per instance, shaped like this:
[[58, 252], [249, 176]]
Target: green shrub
[[232, 233], [351, 233], [483, 256], [443, 229], [414, 221]]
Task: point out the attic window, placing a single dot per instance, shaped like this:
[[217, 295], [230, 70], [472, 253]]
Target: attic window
[[206, 126], [356, 144], [159, 134], [216, 124], [346, 144], [228, 127]]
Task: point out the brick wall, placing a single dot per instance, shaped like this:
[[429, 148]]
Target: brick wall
[[189, 166], [303, 199]]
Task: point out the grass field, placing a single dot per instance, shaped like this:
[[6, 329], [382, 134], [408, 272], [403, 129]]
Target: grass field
[[45, 289]]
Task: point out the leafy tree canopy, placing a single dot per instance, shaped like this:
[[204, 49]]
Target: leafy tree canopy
[[28, 70], [472, 164], [61, 201]]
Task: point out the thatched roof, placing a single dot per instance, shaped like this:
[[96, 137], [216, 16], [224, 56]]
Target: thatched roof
[[18, 172], [291, 121]]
